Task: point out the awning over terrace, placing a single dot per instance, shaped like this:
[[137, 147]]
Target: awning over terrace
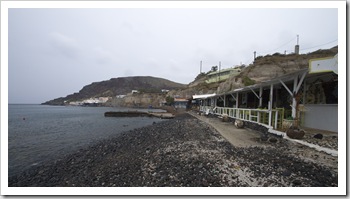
[[285, 78], [205, 96], [317, 68], [296, 77]]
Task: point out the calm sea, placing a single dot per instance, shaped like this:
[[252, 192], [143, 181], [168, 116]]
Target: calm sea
[[39, 133]]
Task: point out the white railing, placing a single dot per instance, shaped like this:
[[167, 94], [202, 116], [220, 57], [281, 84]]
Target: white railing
[[206, 109], [271, 118]]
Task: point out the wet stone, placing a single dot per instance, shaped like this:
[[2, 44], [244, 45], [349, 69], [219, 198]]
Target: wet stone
[[264, 138], [179, 152], [297, 182], [273, 140], [318, 136], [286, 173]]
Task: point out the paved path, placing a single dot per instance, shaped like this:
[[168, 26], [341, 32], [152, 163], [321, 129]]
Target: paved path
[[237, 137], [248, 138]]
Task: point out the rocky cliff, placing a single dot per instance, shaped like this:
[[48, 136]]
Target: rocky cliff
[[263, 68]]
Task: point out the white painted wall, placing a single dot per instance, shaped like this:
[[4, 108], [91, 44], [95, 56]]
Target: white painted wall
[[321, 116]]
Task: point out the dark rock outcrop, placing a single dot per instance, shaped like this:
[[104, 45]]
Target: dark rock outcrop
[[118, 86]]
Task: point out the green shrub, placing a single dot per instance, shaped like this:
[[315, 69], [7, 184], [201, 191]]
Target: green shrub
[[200, 75], [169, 100], [247, 81]]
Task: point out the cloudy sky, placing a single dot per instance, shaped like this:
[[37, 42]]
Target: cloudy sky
[[54, 52]]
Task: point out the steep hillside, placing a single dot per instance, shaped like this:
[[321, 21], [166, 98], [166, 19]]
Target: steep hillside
[[118, 86], [263, 68], [272, 66], [275, 65]]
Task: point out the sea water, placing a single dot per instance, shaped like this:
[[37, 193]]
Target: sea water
[[40, 133]]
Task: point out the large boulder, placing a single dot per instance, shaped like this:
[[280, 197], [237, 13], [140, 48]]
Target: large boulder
[[295, 133], [318, 136], [225, 118], [239, 123]]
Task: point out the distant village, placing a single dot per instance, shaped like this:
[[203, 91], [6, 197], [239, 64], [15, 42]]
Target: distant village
[[90, 102]]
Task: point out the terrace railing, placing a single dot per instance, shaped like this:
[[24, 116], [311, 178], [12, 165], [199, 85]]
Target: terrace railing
[[267, 117], [207, 109]]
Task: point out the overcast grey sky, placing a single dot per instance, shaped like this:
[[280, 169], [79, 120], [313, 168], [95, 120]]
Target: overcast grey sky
[[55, 52]]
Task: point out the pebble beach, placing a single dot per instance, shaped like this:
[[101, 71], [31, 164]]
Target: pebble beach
[[184, 152]]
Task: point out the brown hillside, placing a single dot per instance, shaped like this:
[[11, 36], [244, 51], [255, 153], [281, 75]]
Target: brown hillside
[[119, 86], [263, 68]]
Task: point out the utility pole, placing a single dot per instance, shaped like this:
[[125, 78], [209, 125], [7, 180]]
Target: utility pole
[[254, 55], [296, 51], [219, 69], [297, 39], [200, 69]]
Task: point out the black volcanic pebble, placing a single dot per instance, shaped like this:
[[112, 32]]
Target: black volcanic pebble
[[318, 136], [273, 140], [286, 173], [179, 152]]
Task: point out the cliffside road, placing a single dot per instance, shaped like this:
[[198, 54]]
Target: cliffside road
[[182, 152]]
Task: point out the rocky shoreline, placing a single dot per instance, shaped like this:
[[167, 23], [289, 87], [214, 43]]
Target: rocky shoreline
[[182, 152]]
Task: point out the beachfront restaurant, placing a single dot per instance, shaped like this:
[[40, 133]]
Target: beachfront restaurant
[[181, 103], [308, 97]]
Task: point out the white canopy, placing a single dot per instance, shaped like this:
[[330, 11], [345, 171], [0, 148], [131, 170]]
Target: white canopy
[[205, 96]]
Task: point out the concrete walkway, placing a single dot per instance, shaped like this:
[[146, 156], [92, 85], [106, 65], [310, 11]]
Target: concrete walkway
[[246, 137], [237, 137]]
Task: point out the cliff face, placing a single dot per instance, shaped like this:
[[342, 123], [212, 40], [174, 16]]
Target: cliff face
[[263, 68], [118, 86], [271, 66]]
